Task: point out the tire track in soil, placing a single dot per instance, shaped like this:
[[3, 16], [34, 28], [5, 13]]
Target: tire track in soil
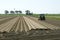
[[4, 24], [33, 25], [6, 20], [21, 25], [18, 26], [7, 26], [14, 26], [25, 25]]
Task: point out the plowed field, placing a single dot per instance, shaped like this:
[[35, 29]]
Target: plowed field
[[27, 28]]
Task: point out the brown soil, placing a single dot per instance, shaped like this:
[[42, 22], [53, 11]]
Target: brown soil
[[54, 22], [34, 34]]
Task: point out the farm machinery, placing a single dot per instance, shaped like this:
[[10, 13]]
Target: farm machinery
[[42, 17]]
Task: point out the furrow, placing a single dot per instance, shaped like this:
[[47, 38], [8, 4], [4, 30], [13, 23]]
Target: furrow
[[7, 25], [50, 26], [33, 24]]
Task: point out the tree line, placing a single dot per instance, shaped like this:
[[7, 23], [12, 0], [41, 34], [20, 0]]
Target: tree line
[[18, 12], [13, 12]]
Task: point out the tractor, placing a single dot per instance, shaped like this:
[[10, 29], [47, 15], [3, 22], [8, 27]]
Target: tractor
[[42, 17]]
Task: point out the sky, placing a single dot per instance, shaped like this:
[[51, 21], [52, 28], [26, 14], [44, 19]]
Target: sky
[[35, 6]]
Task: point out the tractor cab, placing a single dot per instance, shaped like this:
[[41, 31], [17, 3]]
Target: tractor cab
[[42, 17]]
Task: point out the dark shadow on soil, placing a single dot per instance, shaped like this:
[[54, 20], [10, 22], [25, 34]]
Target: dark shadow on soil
[[34, 34]]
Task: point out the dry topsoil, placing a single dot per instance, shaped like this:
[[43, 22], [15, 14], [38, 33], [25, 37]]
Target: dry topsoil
[[54, 22]]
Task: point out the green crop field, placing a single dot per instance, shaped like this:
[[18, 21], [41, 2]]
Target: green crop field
[[53, 16], [12, 14], [49, 16]]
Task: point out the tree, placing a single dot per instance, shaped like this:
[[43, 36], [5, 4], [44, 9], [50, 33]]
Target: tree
[[12, 12], [27, 12], [16, 12], [6, 11], [20, 11]]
